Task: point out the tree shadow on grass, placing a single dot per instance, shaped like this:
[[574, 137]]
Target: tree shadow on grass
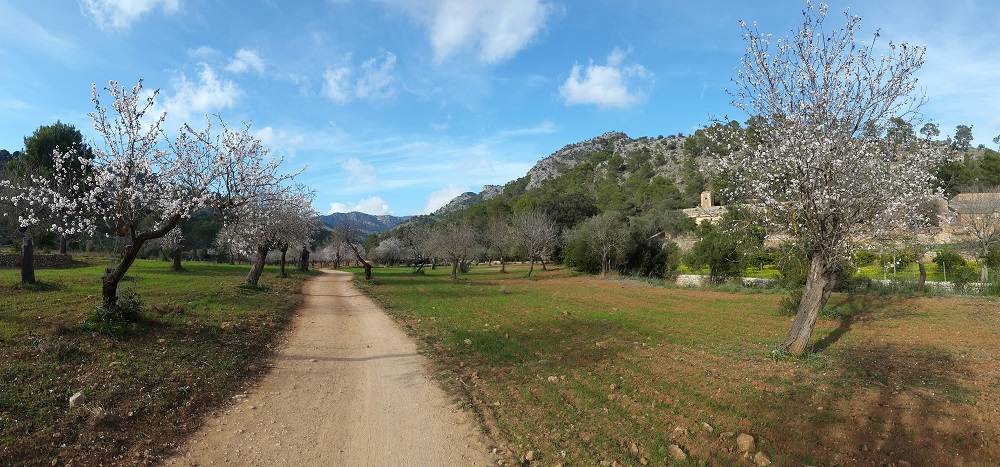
[[851, 309], [884, 404]]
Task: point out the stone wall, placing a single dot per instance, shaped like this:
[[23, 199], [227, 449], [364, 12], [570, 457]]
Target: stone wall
[[12, 261]]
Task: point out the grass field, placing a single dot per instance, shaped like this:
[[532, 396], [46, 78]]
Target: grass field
[[202, 339], [581, 370]]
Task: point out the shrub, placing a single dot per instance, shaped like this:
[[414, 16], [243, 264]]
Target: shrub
[[950, 262], [864, 258], [114, 318]]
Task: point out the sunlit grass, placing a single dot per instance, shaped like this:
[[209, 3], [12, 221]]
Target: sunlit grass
[[588, 366]]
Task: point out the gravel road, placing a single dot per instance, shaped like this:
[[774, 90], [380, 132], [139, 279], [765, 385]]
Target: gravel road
[[347, 389]]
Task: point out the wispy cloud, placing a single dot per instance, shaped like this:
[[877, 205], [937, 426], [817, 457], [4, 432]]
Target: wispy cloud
[[359, 172], [120, 14], [492, 31], [544, 128], [33, 36], [614, 84], [373, 81], [246, 60], [281, 143]]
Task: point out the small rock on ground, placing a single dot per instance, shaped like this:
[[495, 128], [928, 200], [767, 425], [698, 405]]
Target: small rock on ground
[[761, 460], [745, 442], [77, 399], [676, 452]]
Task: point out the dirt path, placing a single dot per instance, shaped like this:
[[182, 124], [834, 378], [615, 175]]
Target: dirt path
[[348, 388]]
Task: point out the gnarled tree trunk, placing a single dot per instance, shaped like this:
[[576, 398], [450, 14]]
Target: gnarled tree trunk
[[284, 255], [27, 257], [258, 264], [819, 284], [62, 244], [923, 276], [304, 259], [176, 255], [113, 275]]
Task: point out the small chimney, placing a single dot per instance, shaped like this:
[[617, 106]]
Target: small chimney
[[706, 199]]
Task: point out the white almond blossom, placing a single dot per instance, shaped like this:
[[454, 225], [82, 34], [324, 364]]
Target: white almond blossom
[[813, 161]]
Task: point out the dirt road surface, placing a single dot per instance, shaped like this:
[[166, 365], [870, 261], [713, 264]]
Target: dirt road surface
[[347, 389]]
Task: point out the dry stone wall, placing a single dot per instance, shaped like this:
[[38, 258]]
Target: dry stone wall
[[11, 261]]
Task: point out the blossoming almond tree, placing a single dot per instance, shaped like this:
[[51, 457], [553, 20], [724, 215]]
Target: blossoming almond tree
[[270, 222], [138, 178], [815, 168], [58, 202]]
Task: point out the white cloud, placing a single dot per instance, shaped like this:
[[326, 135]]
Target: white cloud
[[359, 172], [337, 84], [441, 197], [246, 60], [207, 95], [614, 84], [204, 53], [374, 81], [120, 14], [494, 31], [375, 206], [280, 141]]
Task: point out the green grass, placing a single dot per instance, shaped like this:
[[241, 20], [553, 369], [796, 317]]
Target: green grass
[[201, 337], [587, 367]]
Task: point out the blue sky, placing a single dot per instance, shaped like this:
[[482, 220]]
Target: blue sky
[[396, 106]]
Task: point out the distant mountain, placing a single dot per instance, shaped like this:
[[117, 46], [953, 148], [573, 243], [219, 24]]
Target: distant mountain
[[367, 223]]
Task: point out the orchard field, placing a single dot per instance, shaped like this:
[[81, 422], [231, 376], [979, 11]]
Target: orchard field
[[581, 370]]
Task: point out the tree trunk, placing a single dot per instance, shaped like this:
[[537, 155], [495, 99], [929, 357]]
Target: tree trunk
[[531, 266], [177, 259], [819, 285], [304, 259], [984, 274], [923, 276], [434, 263], [454, 267], [542, 260], [113, 276], [62, 244], [284, 255], [503, 264], [27, 257], [258, 264], [364, 264]]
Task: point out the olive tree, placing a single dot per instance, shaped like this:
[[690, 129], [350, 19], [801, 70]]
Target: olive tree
[[818, 168]]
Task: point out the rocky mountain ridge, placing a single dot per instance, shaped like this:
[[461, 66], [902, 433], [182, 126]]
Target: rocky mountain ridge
[[367, 223]]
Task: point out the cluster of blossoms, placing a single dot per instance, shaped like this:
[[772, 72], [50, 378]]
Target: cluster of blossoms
[[59, 203]]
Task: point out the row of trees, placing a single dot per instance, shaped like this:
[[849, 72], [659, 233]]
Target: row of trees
[[137, 184]]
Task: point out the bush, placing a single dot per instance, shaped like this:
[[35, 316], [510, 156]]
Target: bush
[[718, 250], [864, 258], [114, 319], [672, 258], [950, 262]]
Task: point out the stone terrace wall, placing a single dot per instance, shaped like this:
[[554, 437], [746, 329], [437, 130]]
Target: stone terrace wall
[[11, 261]]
